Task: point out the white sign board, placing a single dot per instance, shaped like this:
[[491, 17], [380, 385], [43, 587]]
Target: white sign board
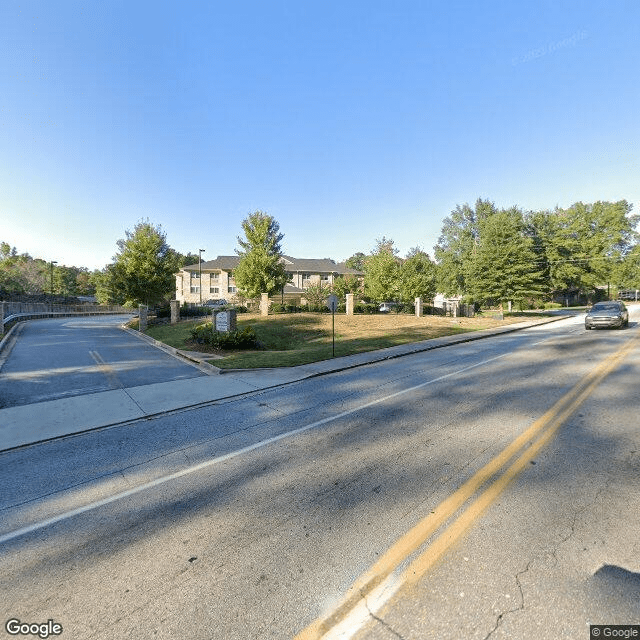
[[222, 322]]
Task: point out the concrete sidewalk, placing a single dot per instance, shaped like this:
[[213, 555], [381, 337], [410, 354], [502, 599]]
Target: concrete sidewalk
[[29, 424]]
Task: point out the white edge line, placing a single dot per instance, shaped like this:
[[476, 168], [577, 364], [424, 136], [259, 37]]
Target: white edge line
[[228, 456]]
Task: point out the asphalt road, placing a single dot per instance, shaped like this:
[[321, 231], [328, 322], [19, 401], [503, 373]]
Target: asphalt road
[[252, 518], [65, 357]]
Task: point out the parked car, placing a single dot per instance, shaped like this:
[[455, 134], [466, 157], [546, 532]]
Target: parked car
[[216, 303], [607, 314], [385, 307]]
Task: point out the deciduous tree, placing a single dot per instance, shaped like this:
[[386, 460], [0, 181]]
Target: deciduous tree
[[143, 270], [460, 235], [381, 270], [417, 277]]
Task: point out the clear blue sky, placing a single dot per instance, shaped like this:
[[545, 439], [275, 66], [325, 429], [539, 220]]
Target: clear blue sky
[[345, 120]]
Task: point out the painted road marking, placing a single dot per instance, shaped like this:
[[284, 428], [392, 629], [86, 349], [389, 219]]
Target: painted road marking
[[107, 370], [11, 535], [379, 584]]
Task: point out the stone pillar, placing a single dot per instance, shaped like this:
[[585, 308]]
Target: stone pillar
[[175, 311], [349, 304], [142, 316], [418, 306], [264, 304]]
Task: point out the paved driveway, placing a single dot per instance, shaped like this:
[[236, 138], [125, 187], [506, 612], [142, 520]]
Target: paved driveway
[[64, 357]]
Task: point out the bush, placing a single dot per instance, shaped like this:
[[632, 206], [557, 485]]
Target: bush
[[366, 307], [277, 307], [192, 312], [552, 305], [245, 339]]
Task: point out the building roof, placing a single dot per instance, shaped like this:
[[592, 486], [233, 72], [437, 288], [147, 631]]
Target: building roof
[[292, 265]]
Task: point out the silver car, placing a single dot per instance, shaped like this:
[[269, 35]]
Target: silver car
[[607, 314]]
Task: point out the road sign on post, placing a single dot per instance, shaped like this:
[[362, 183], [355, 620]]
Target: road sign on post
[[332, 303]]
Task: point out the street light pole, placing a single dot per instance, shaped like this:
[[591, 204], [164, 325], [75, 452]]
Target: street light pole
[[200, 252], [52, 263]]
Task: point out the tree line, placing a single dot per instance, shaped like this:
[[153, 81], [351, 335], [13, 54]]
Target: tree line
[[491, 254], [485, 254], [22, 275]]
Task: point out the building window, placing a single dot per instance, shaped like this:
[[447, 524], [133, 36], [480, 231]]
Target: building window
[[214, 289], [232, 289], [195, 289], [215, 277], [324, 278], [195, 275]]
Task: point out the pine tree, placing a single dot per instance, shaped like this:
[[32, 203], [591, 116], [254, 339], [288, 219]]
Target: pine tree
[[260, 269]]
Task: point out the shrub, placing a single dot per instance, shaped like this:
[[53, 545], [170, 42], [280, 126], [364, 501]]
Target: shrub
[[366, 307], [245, 339], [552, 305]]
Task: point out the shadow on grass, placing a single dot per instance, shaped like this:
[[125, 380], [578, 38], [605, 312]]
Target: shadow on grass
[[307, 346], [291, 340]]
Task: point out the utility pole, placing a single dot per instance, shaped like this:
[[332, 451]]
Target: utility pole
[[52, 263]]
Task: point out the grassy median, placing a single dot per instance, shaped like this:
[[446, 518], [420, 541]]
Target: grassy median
[[294, 339]]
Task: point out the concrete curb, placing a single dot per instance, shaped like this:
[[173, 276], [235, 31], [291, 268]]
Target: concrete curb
[[7, 343], [205, 367], [372, 357]]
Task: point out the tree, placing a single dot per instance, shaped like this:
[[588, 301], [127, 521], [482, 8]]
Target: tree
[[460, 235], [504, 265], [381, 270], [583, 246], [143, 270], [317, 294], [417, 277], [65, 280], [356, 261], [260, 269], [346, 284], [101, 283], [627, 272]]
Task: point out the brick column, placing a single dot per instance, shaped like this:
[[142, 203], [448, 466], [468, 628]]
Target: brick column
[[175, 311], [349, 304]]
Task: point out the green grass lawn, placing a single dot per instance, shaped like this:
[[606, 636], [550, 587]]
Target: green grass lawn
[[294, 339]]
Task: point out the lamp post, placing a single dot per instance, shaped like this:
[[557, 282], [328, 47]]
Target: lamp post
[[52, 263], [200, 252]]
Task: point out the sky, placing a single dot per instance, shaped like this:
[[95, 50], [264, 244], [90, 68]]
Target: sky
[[345, 120]]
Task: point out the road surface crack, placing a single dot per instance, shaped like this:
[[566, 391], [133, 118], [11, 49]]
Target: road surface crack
[[520, 607], [382, 622]]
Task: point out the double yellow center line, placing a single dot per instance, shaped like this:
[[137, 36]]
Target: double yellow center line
[[526, 446]]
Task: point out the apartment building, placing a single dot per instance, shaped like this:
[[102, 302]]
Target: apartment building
[[214, 278]]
